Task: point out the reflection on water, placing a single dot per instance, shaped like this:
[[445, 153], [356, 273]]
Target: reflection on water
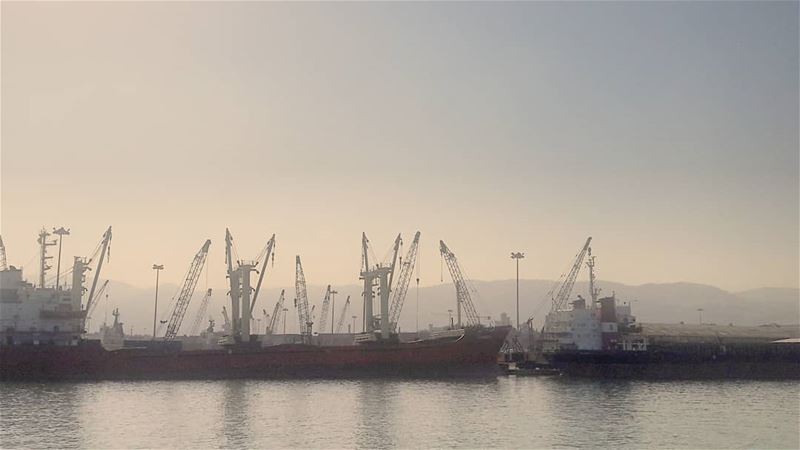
[[502, 412]]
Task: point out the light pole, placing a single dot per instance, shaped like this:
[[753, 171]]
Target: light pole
[[700, 311], [285, 310], [333, 308], [158, 268], [354, 324], [517, 256], [61, 232]]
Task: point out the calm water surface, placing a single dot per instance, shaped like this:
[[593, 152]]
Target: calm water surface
[[502, 413]]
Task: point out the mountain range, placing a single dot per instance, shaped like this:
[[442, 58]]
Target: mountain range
[[652, 302]]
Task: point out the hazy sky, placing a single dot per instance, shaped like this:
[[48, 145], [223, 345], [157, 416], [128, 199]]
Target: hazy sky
[[667, 131]]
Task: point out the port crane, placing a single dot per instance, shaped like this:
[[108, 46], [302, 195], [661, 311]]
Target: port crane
[[399, 293], [384, 275], [276, 314], [185, 294], [267, 254], [463, 297], [242, 305], [565, 289], [98, 294], [201, 313], [104, 250], [343, 315], [326, 306], [301, 301]]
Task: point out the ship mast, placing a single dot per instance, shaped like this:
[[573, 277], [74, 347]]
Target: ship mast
[[43, 244], [594, 291]]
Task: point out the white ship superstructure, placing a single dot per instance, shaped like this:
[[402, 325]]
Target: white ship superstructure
[[40, 315], [603, 324]]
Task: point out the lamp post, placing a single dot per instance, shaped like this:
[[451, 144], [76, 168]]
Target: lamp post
[[354, 324], [700, 311], [158, 268], [285, 310], [61, 232], [517, 256], [333, 308]]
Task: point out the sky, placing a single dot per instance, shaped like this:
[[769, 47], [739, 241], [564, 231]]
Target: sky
[[666, 131]]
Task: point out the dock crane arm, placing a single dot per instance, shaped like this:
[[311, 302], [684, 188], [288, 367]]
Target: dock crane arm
[[104, 245], [99, 293], [463, 296], [301, 302], [185, 294], [326, 306], [343, 315], [270, 246], [201, 313], [397, 243], [406, 270], [566, 287], [276, 313]]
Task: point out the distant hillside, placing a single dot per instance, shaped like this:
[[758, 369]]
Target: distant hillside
[[661, 303]]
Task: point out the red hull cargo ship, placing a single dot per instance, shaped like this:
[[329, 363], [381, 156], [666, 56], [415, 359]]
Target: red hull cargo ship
[[473, 353], [42, 327]]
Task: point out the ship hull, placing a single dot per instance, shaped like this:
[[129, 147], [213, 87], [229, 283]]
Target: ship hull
[[770, 361], [473, 354]]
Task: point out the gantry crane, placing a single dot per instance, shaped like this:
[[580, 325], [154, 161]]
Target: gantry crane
[[565, 289], [201, 313], [185, 294], [301, 301], [463, 297], [343, 316], [399, 293], [326, 306], [276, 314]]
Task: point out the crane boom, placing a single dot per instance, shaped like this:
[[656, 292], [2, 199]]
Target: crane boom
[[463, 297], [270, 246], [201, 313], [185, 294], [326, 306], [301, 302], [98, 294], [104, 244], [566, 287], [343, 315], [276, 313], [395, 251], [399, 293]]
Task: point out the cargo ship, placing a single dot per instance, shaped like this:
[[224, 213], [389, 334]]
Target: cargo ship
[[603, 339], [43, 329]]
